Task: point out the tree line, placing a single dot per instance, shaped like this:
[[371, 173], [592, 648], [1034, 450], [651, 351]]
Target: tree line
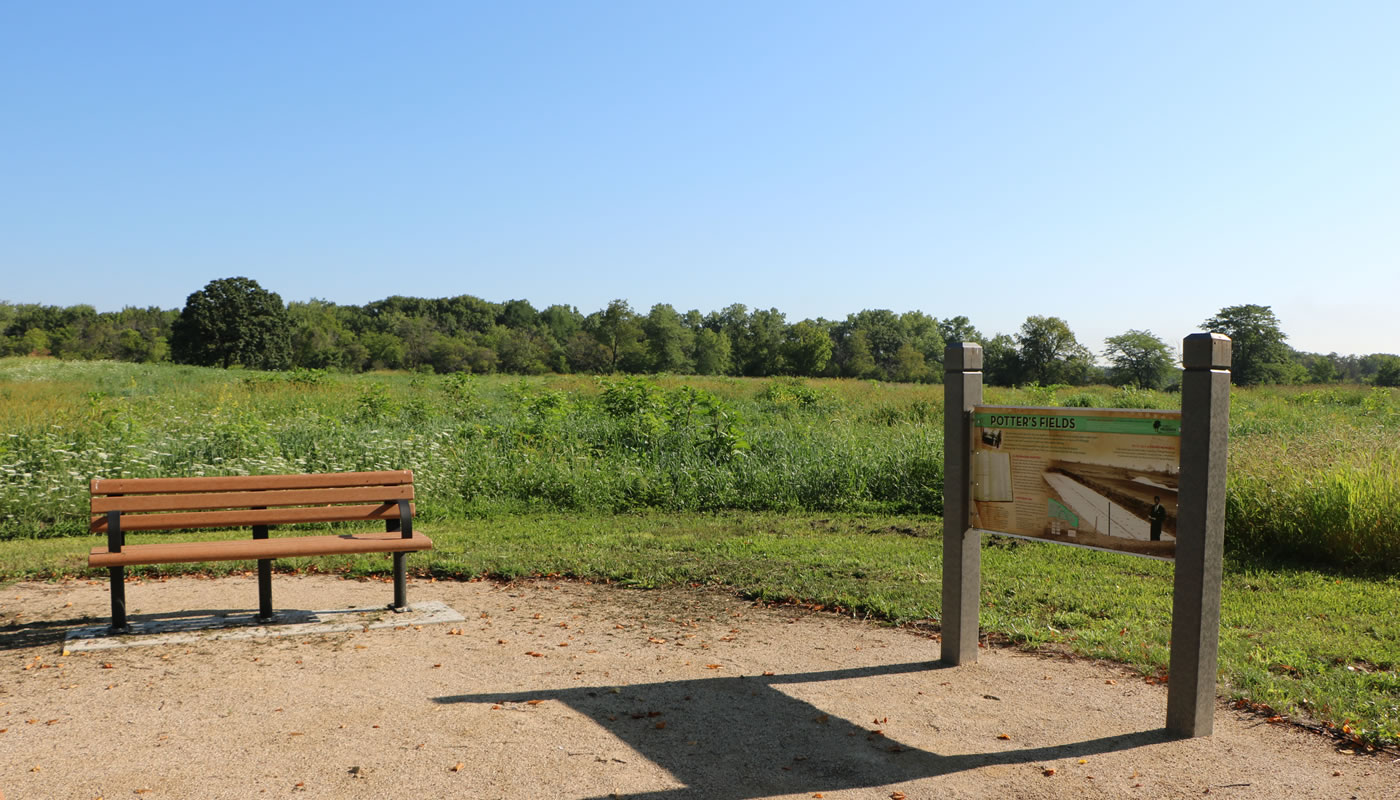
[[235, 322]]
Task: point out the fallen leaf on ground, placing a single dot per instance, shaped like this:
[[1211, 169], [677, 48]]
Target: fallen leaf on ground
[[533, 702], [1003, 736], [1048, 771], [458, 766]]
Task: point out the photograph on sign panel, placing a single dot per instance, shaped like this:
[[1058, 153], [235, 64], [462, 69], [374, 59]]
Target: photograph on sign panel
[[1104, 478]]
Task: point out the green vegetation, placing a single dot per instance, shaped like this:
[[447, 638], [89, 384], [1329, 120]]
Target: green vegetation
[[1138, 358], [233, 321], [1259, 353], [822, 491], [1311, 471]]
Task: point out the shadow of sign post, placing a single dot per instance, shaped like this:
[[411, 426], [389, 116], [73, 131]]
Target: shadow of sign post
[[741, 719], [1099, 460]]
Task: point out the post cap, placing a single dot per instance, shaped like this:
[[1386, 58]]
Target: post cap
[[962, 357], [1205, 351]]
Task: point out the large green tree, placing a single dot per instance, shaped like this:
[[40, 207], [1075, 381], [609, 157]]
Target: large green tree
[[1001, 363], [669, 342], [1388, 373], [618, 329], [1049, 353], [959, 329], [806, 348], [713, 354], [1259, 354], [232, 321], [1139, 358]]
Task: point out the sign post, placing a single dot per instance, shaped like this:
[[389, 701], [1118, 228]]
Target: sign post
[[962, 546], [1205, 424]]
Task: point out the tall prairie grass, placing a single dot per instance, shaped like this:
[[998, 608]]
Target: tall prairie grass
[[1313, 472]]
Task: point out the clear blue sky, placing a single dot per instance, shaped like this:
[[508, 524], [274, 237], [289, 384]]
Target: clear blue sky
[[1120, 165]]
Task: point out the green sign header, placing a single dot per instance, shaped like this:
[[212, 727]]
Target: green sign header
[[1025, 419]]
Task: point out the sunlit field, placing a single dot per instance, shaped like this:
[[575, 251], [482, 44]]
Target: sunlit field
[[1312, 470]]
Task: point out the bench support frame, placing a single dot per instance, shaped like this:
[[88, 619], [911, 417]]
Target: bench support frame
[[117, 575], [264, 579], [404, 524]]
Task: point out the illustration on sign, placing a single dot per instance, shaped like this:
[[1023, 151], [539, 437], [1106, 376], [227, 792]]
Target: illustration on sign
[[1103, 478]]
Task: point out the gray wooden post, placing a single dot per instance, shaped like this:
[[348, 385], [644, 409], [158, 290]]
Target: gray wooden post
[[1200, 537], [962, 549]]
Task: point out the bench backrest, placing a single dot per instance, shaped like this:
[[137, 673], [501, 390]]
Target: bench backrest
[[147, 504]]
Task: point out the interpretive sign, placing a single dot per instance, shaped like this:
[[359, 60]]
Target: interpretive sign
[[1101, 478]]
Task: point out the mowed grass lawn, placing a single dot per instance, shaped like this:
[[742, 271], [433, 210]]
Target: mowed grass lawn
[[1317, 646]]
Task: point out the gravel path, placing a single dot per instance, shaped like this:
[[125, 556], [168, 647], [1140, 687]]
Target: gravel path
[[570, 690]]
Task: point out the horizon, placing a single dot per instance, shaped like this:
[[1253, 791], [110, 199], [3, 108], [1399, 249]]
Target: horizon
[[1175, 345]]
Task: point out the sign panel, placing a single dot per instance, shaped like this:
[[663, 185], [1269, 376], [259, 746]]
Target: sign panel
[[1103, 478]]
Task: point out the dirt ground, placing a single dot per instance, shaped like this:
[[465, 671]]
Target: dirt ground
[[568, 690]]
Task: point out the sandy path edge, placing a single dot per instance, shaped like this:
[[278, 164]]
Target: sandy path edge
[[572, 690]]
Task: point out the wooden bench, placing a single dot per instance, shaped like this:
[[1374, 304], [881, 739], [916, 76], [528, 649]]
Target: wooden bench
[[260, 502]]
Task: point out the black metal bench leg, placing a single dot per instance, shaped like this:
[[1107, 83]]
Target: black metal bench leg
[[118, 576], [264, 590], [400, 584]]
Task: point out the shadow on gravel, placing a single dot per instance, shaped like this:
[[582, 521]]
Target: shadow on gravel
[[742, 738], [42, 633]]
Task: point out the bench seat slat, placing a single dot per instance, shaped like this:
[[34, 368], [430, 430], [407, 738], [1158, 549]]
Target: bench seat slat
[[275, 497], [188, 520], [230, 483], [252, 549]]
